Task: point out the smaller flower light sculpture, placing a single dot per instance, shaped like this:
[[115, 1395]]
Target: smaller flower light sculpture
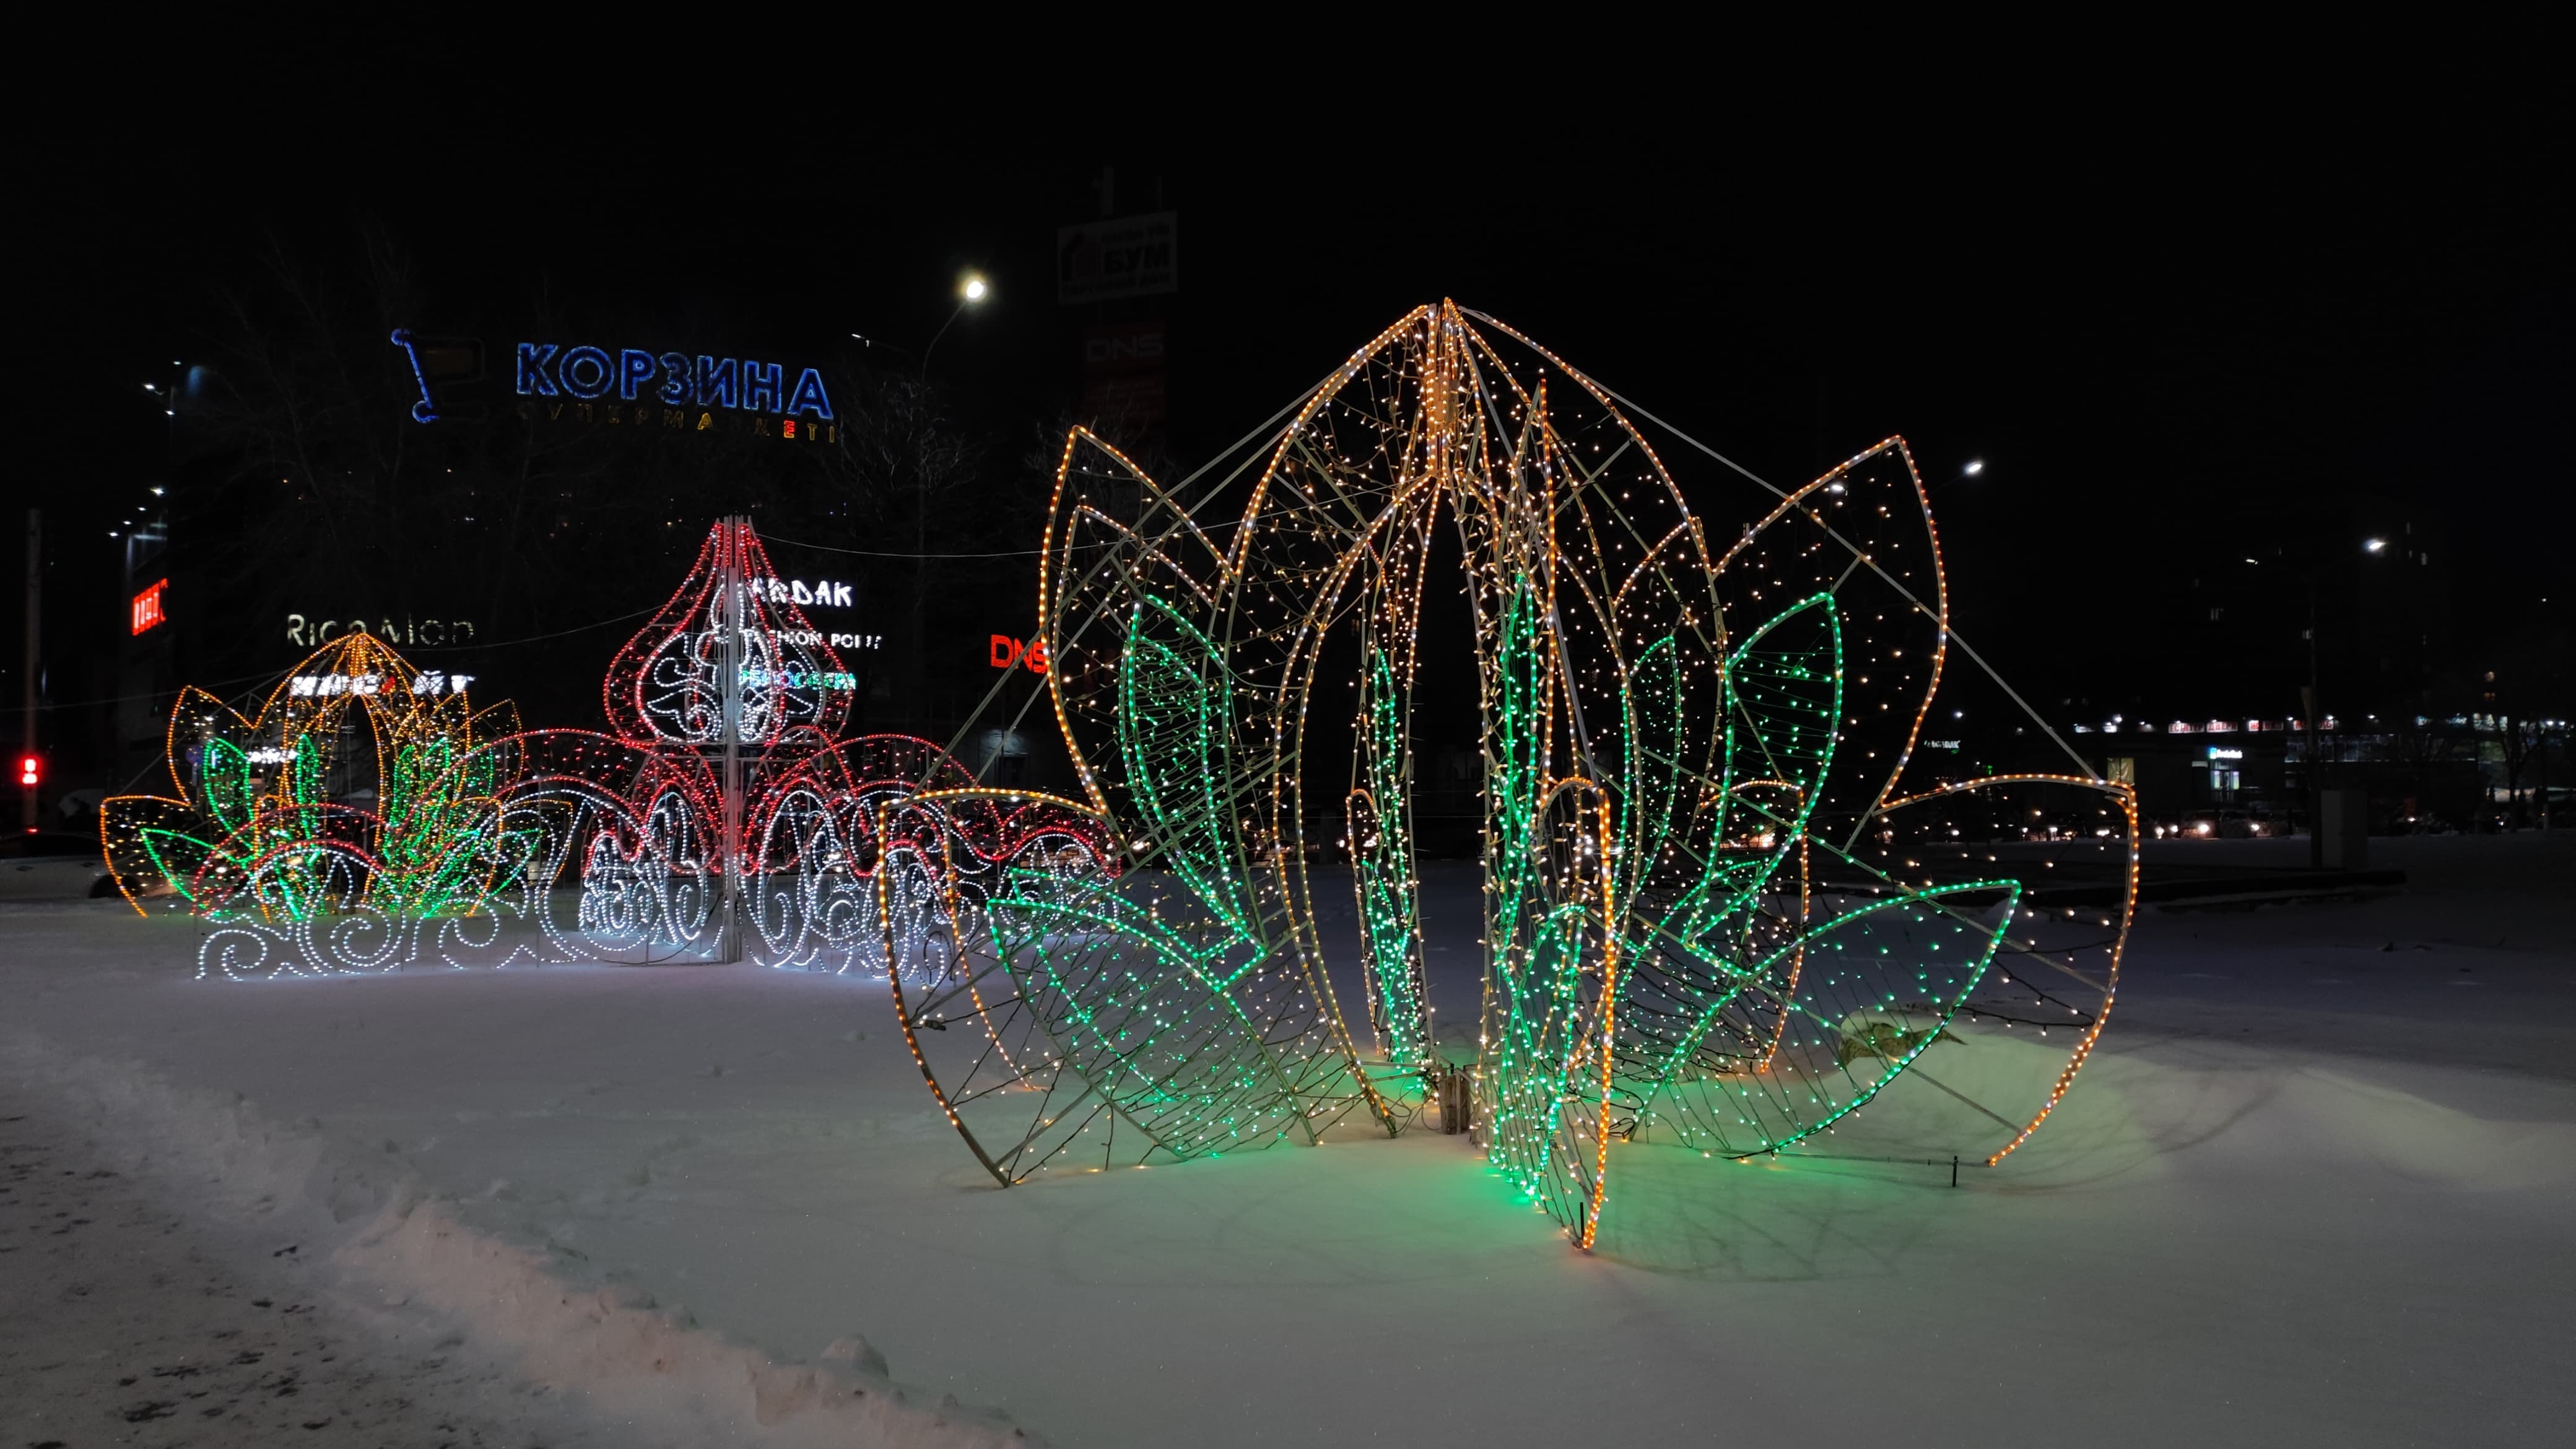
[[725, 799], [329, 830], [800, 831], [367, 818]]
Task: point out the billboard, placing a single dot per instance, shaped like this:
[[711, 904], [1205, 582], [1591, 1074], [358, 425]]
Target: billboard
[[1124, 256]]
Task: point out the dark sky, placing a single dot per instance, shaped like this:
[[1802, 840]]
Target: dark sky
[[2168, 343]]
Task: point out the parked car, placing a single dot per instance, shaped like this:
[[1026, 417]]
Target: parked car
[[47, 865], [2227, 825]]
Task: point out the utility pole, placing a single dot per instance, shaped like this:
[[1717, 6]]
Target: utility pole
[[2316, 767], [35, 650]]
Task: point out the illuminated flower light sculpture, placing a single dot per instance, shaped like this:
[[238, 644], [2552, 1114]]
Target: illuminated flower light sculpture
[[345, 827], [612, 851], [812, 853], [1714, 913], [802, 839], [667, 685], [472, 842]]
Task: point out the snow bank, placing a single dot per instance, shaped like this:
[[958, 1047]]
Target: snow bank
[[2314, 1186], [389, 1238]]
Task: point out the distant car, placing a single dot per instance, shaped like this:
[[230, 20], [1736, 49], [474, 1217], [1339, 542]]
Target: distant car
[[48, 865], [2226, 825]]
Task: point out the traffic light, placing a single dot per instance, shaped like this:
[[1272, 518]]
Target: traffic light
[[29, 768]]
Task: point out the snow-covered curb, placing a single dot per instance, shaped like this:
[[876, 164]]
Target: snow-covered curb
[[389, 1241]]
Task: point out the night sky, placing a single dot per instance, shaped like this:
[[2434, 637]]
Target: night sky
[[2170, 352]]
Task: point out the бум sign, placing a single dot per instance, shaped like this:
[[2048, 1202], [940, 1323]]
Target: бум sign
[[1127, 256]]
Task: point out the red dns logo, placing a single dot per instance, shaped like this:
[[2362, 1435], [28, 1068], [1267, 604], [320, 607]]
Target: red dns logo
[[1008, 651]]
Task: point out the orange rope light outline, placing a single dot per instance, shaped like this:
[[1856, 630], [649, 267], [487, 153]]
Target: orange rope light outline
[[1170, 546]]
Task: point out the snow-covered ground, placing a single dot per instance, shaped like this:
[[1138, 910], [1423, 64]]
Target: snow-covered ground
[[2317, 1186]]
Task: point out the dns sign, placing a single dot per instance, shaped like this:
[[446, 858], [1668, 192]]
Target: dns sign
[[1008, 652]]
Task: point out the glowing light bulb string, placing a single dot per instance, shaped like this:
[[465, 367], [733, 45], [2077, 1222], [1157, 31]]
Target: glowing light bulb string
[[1857, 553]]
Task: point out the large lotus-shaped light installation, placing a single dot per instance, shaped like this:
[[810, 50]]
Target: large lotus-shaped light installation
[[1717, 912]]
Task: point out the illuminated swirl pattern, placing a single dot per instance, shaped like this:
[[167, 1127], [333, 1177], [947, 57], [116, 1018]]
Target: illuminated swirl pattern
[[667, 684]]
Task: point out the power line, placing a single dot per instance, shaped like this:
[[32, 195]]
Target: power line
[[882, 553]]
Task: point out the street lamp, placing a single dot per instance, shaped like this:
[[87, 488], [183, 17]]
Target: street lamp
[[1975, 467], [971, 289], [2376, 545]]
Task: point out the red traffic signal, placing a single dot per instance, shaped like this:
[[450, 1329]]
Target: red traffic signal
[[28, 770]]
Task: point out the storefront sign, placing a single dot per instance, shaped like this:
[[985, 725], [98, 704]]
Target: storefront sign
[[837, 641], [675, 379], [429, 683], [1127, 256], [2217, 752], [757, 677], [1123, 380], [432, 632], [147, 610], [1008, 652], [797, 591]]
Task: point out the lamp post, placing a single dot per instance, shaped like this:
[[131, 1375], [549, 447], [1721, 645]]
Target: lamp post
[[28, 771], [971, 290], [2315, 781], [2372, 547]]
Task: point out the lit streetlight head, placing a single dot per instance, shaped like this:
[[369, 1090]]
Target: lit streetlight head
[[2375, 545], [1975, 467], [972, 289]]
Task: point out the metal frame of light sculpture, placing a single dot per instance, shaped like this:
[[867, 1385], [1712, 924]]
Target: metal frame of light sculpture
[[1711, 916]]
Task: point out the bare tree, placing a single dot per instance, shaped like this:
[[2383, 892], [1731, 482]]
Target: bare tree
[[915, 472]]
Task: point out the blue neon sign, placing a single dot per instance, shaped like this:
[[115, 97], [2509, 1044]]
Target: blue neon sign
[[676, 379]]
